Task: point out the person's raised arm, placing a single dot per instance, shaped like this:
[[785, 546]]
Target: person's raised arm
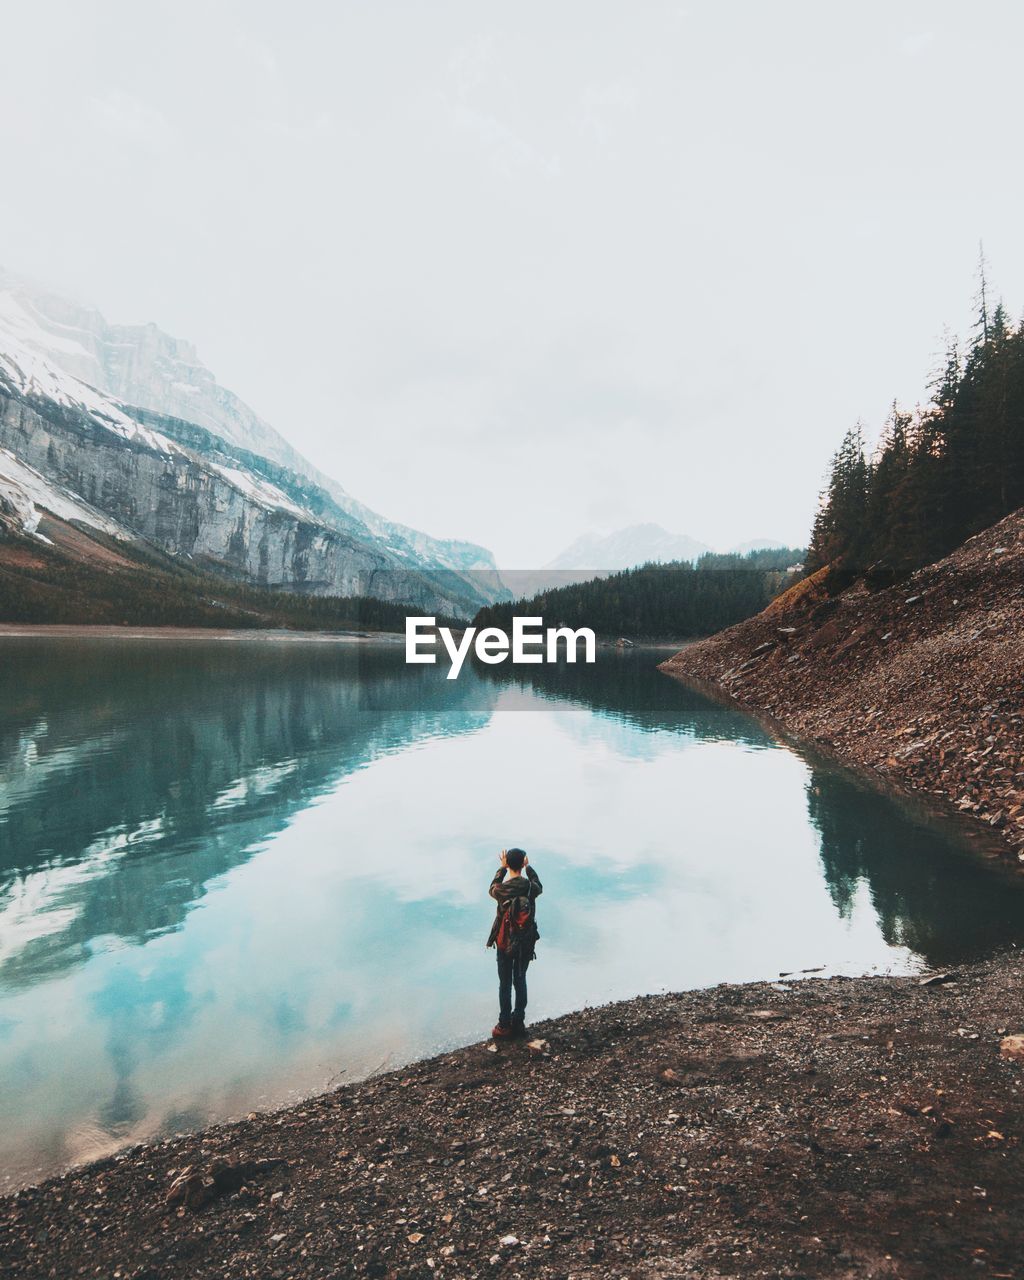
[[499, 875], [536, 888]]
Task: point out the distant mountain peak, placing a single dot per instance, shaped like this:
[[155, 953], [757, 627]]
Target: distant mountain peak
[[626, 548], [756, 544]]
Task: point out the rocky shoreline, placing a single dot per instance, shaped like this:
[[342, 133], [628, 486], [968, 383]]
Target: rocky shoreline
[[816, 1127], [921, 682]]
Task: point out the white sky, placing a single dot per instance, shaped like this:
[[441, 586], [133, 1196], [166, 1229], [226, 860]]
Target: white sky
[[511, 272]]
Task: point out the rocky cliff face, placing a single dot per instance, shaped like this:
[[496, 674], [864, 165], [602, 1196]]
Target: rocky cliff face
[[67, 449], [137, 364], [142, 366], [194, 470]]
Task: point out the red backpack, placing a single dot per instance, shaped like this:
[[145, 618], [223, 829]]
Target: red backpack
[[515, 931]]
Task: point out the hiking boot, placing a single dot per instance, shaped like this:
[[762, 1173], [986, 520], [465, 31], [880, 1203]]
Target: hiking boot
[[518, 1030], [501, 1033]]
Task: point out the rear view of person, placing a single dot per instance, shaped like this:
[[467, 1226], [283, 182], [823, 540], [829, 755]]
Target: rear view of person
[[514, 933]]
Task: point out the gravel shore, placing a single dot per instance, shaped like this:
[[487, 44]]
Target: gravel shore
[[839, 1127]]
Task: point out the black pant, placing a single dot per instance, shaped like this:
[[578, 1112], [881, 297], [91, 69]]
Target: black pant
[[511, 972]]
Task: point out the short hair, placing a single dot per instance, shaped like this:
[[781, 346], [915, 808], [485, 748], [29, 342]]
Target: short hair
[[514, 858]]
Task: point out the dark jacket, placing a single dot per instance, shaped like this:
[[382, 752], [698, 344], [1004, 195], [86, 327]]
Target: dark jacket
[[504, 891]]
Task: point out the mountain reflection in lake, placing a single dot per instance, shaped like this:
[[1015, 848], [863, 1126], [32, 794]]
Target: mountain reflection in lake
[[234, 871]]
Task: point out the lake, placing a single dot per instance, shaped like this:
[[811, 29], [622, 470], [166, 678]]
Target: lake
[[233, 872]]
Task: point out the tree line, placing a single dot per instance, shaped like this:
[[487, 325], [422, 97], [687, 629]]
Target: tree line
[[940, 473], [660, 601]]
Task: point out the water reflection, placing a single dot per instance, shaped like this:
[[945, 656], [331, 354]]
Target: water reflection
[[626, 686], [232, 872], [920, 876], [132, 778], [927, 895]]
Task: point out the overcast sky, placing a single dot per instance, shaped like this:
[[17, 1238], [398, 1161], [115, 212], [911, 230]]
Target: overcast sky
[[514, 272]]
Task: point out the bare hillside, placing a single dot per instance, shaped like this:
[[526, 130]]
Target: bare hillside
[[922, 682]]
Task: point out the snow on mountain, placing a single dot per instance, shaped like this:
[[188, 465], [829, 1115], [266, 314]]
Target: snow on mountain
[[30, 374], [81, 455], [140, 365], [15, 501], [626, 548], [136, 364], [25, 494]]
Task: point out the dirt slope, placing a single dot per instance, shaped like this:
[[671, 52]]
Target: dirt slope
[[923, 681]]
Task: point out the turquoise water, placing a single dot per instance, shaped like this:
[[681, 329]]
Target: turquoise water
[[233, 872]]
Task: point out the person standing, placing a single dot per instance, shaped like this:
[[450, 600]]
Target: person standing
[[514, 935]]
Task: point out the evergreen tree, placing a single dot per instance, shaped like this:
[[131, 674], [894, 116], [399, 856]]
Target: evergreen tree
[[938, 475], [840, 525]]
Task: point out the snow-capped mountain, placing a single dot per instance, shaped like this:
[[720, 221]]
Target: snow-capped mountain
[[123, 428], [626, 548], [140, 365]]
